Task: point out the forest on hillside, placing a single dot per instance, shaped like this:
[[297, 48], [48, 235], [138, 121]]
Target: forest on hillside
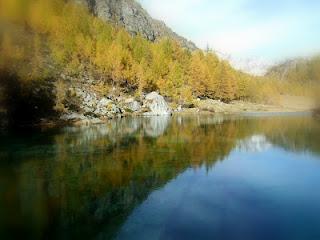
[[42, 39], [304, 71]]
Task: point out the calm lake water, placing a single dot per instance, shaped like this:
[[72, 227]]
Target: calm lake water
[[201, 177]]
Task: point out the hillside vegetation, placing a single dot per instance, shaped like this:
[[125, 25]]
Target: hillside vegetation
[[302, 74], [42, 40]]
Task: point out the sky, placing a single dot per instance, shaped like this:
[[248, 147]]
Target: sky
[[269, 30]]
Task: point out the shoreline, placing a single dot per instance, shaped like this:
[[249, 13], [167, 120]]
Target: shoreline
[[206, 107], [56, 123]]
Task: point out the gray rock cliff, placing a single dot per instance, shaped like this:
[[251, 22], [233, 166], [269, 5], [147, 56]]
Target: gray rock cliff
[[130, 15]]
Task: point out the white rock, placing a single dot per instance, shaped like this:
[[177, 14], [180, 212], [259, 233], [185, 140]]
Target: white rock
[[73, 116], [179, 108], [134, 106], [103, 103], [129, 100], [157, 105]]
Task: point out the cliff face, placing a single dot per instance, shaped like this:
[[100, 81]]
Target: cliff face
[[130, 15]]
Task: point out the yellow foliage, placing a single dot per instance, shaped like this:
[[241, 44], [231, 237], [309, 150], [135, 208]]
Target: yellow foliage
[[198, 74], [9, 52], [226, 87], [77, 41]]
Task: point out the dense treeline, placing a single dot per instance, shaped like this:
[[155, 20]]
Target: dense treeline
[[59, 36]]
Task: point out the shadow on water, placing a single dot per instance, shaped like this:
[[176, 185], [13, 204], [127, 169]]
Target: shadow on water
[[84, 182]]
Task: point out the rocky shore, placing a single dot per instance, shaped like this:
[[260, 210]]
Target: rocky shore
[[93, 109], [85, 101]]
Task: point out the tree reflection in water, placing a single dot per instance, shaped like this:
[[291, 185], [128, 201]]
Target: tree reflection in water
[[85, 181]]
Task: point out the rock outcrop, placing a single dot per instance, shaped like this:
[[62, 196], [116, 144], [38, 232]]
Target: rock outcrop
[[130, 15], [84, 105], [92, 104], [156, 105], [132, 105]]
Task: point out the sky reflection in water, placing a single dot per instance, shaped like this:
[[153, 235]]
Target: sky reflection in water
[[165, 178]]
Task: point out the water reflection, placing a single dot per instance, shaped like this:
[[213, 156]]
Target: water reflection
[[255, 143], [84, 182], [155, 126]]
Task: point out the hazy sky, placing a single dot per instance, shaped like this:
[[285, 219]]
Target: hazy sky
[[268, 29]]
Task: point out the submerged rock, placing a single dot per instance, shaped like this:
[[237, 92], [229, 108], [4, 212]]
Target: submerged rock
[[156, 105]]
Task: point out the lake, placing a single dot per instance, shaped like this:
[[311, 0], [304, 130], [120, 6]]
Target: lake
[[185, 177]]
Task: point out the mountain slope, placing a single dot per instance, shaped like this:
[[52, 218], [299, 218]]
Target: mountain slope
[[297, 70], [130, 15], [282, 70]]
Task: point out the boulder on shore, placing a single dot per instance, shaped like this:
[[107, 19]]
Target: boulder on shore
[[132, 105], [156, 105]]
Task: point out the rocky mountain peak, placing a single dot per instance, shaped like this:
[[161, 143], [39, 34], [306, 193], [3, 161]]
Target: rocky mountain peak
[[130, 15]]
